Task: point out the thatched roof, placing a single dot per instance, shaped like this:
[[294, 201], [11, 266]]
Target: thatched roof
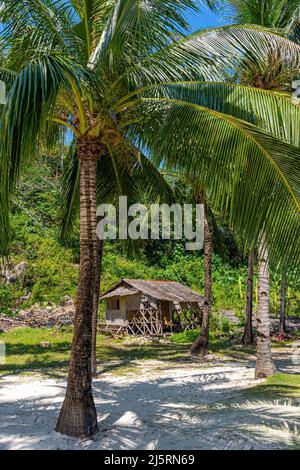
[[119, 292], [162, 290]]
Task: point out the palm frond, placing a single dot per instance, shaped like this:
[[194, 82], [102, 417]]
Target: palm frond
[[242, 46], [93, 16], [117, 175], [7, 76], [23, 120], [271, 13], [212, 54], [136, 29], [294, 25], [274, 112], [150, 182], [126, 172], [70, 192], [39, 23], [245, 170]]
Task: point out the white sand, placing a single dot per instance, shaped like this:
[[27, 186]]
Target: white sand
[[182, 407]]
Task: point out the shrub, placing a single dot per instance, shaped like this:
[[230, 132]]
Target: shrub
[[219, 324], [51, 275], [6, 300], [188, 336]]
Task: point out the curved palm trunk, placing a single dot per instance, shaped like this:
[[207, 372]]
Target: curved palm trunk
[[248, 332], [201, 344], [78, 416], [98, 257], [282, 330], [264, 362]]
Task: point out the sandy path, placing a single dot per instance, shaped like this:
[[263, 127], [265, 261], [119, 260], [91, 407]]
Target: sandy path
[[182, 407]]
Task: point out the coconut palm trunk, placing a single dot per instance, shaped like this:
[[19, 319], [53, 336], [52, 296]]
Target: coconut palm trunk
[[248, 332], [78, 416], [282, 330], [98, 257], [264, 362], [201, 344]]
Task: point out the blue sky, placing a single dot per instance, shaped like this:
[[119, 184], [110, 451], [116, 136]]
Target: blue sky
[[206, 19]]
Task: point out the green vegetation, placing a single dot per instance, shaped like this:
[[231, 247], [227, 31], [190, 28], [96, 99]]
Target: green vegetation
[[121, 100], [53, 267], [47, 351], [188, 336], [277, 386], [6, 299], [219, 326], [24, 350]]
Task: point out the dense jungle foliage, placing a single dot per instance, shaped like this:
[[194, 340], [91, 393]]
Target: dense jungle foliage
[[52, 266]]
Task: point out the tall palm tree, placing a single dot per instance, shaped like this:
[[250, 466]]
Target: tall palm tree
[[282, 311], [248, 332], [107, 72], [271, 74], [265, 365], [136, 179], [200, 346]]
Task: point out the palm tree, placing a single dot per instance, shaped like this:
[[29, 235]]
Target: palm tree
[[264, 362], [269, 74], [248, 332], [200, 346], [282, 312], [137, 179], [96, 295], [109, 72]]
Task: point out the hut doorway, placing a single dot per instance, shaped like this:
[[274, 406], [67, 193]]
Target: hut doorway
[[166, 313]]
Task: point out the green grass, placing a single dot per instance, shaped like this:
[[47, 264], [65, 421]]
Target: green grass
[[275, 387], [188, 336], [221, 343], [24, 352]]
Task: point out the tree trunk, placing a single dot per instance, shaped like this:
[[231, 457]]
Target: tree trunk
[[98, 257], [248, 332], [283, 304], [78, 417], [264, 362], [201, 344]]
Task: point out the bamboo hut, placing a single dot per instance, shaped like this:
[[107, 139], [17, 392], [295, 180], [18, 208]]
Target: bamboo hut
[[153, 308]]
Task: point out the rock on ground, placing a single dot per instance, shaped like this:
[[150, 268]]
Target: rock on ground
[[38, 316]]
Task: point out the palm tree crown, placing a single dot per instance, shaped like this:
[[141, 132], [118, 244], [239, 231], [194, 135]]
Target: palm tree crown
[[83, 66]]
